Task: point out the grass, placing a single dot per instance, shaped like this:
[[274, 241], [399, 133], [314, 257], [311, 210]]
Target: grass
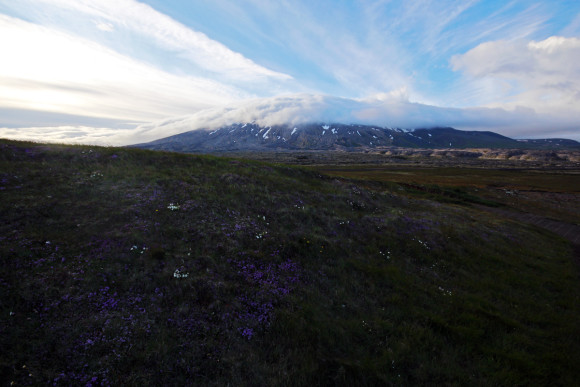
[[515, 178], [550, 192], [128, 267]]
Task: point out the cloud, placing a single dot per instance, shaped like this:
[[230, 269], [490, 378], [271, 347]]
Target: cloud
[[543, 75], [107, 27], [358, 48], [385, 110], [171, 35], [123, 61], [67, 134], [391, 110], [15, 118], [572, 29], [47, 70]]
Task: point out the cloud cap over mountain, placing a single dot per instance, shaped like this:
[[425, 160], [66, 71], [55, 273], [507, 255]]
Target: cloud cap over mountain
[[385, 110], [391, 110]]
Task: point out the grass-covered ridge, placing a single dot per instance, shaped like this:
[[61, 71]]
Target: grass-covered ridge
[[131, 267]]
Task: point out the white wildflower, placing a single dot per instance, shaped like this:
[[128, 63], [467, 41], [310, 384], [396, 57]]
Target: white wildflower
[[173, 206], [179, 274], [445, 291]]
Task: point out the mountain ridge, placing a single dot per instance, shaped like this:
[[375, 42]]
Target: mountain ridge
[[250, 136]]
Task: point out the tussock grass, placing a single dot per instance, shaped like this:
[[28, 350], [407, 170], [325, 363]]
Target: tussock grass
[[128, 267]]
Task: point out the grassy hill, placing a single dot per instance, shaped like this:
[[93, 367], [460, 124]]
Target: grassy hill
[[133, 267]]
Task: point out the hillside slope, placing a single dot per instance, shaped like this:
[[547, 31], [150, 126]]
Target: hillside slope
[[126, 267]]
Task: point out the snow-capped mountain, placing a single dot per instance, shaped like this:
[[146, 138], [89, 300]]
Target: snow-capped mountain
[[308, 121], [325, 136]]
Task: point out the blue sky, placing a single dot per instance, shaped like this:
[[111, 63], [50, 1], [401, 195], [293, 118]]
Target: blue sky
[[94, 70]]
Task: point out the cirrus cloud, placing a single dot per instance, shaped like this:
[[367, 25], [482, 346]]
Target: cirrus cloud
[[53, 71], [171, 35]]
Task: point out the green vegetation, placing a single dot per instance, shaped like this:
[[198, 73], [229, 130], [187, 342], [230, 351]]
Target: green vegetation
[[549, 192], [520, 178], [132, 267]]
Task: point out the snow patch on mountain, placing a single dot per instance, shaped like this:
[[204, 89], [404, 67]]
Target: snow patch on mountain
[[265, 136]]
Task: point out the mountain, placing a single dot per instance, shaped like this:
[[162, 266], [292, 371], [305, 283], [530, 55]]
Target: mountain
[[321, 136]]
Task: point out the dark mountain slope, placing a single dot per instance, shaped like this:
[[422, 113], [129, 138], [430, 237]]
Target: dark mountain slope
[[252, 137]]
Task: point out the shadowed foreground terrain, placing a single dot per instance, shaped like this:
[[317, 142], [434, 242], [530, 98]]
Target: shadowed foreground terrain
[[131, 267]]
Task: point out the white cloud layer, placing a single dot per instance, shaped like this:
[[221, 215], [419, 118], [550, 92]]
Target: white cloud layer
[[543, 75], [52, 71], [69, 134], [385, 110]]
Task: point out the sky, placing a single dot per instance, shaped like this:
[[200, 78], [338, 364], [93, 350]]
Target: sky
[[118, 72]]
